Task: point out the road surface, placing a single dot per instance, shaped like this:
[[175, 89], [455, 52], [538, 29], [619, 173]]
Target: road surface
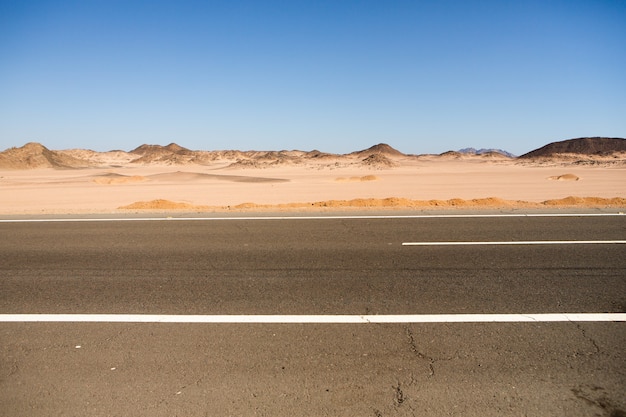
[[330, 267]]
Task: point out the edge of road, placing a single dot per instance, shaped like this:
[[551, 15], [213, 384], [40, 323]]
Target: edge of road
[[308, 215]]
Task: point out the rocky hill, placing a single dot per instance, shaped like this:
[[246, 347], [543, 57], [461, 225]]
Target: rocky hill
[[172, 154], [35, 155], [380, 149], [582, 146], [596, 150]]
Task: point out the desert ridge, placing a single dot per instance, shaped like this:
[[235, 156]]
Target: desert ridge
[[35, 155], [36, 180]]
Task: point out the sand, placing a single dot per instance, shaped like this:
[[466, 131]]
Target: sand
[[409, 183]]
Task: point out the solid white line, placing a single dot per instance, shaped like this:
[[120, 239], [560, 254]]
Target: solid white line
[[302, 319], [520, 242], [365, 217]]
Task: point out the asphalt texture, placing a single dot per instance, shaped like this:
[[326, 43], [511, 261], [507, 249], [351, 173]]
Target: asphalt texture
[[314, 266]]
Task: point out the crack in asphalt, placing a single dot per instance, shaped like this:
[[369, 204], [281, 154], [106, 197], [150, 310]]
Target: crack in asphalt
[[420, 355], [399, 395], [399, 400], [588, 338]]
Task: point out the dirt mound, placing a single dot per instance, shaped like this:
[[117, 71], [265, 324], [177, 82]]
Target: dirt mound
[[35, 155], [581, 146], [478, 203], [357, 179], [161, 205], [586, 202], [564, 177], [391, 203]]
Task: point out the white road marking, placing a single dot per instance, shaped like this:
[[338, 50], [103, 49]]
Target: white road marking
[[365, 217], [520, 242], [302, 319]]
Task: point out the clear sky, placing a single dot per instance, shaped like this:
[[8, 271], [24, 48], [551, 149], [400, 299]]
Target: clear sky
[[337, 75]]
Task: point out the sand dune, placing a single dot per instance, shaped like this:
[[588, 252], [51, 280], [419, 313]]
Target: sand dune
[[564, 177]]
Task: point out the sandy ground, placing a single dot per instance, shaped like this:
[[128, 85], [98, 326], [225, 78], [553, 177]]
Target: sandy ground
[[220, 188]]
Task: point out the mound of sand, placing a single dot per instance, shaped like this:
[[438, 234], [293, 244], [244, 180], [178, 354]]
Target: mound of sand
[[391, 202], [395, 202], [357, 179], [564, 177], [161, 205], [586, 202], [112, 178]]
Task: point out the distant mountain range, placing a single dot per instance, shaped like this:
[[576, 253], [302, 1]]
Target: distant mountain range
[[483, 151], [35, 155]]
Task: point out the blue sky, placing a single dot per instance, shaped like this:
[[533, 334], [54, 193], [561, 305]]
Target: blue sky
[[337, 76]]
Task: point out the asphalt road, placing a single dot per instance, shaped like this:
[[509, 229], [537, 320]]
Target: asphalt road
[[314, 266]]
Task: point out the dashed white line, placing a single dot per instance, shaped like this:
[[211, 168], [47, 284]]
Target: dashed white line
[[520, 242], [320, 319]]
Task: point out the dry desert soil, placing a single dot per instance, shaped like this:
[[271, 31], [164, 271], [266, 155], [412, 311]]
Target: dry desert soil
[[153, 178]]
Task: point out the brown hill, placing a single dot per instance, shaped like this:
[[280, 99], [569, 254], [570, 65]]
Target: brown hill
[[35, 155], [451, 155], [146, 149], [582, 146], [315, 154], [380, 149], [171, 154]]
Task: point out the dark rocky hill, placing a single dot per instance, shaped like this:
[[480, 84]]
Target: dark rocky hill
[[582, 146]]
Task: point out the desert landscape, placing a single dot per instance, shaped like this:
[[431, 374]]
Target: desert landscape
[[581, 173]]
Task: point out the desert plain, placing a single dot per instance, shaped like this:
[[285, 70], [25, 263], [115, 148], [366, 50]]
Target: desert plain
[[173, 179]]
